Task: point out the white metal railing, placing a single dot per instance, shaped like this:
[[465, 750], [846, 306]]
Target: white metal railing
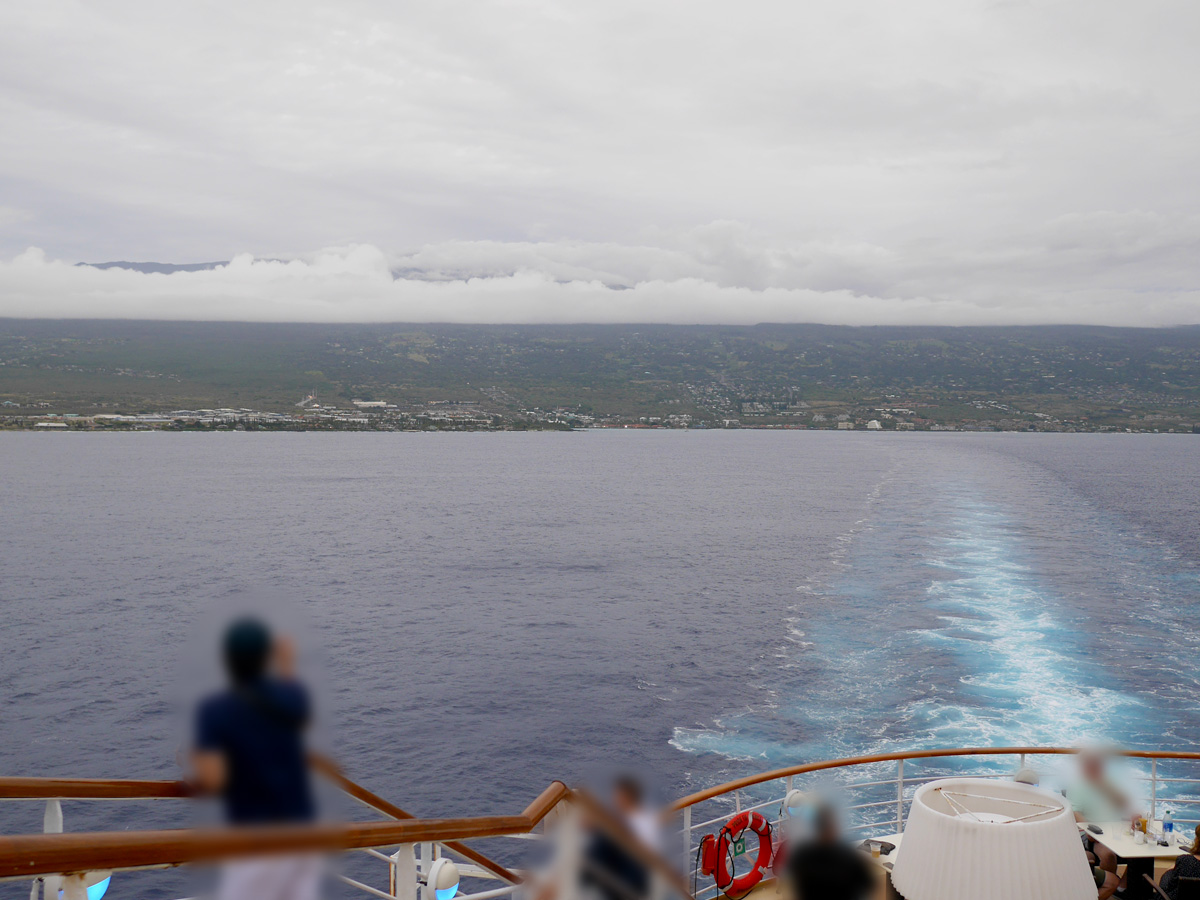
[[408, 867], [67, 861]]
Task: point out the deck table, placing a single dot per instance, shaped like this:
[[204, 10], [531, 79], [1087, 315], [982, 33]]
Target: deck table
[[1138, 858]]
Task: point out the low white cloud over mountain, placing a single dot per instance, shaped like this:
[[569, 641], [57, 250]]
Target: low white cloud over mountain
[[1086, 269]]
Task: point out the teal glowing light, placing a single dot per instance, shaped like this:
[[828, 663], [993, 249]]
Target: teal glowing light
[[443, 877], [98, 890]]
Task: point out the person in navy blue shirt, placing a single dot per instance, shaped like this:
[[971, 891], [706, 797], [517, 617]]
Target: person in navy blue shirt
[[249, 741]]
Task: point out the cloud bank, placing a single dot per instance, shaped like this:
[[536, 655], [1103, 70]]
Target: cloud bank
[[1079, 269]]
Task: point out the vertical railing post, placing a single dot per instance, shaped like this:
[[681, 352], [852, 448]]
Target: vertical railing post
[[404, 873], [687, 840], [568, 861], [424, 864], [52, 823], [52, 819], [1153, 788], [737, 801], [900, 795]]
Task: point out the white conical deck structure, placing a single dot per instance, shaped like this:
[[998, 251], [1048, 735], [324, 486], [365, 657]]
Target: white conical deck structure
[[991, 840]]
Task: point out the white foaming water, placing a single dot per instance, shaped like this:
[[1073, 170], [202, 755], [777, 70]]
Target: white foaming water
[[1022, 676], [977, 609]]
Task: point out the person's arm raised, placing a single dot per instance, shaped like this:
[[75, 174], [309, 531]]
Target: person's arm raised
[[283, 658], [209, 773]]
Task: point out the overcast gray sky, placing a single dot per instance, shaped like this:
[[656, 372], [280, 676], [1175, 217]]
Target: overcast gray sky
[[854, 161]]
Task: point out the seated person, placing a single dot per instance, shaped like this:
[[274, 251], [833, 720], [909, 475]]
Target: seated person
[[1095, 799], [1186, 866], [1106, 881], [826, 867]]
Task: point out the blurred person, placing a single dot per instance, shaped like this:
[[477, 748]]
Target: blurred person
[[609, 870], [1092, 795], [828, 868], [249, 750], [1106, 881], [1186, 866], [1094, 798], [643, 821], [796, 815]]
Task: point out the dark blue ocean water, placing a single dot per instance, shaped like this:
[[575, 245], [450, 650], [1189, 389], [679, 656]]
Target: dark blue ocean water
[[485, 612]]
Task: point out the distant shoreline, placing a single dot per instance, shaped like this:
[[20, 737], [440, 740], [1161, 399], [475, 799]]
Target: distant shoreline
[[181, 376], [73, 428]]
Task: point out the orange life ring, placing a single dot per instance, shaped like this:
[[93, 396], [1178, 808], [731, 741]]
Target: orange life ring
[[717, 862]]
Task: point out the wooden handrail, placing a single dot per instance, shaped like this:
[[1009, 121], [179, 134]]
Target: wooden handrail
[[546, 801], [26, 856], [127, 789], [751, 780], [329, 769], [43, 854], [91, 789]]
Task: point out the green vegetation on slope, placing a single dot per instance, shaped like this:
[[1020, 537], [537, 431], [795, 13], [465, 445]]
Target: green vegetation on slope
[[1075, 376]]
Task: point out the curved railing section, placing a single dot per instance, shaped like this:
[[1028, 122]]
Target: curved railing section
[[875, 791]]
